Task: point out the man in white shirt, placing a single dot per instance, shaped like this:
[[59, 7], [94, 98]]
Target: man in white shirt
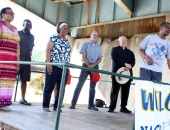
[[153, 50]]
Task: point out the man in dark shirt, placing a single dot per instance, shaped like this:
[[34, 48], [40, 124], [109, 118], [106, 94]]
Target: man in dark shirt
[[121, 57], [26, 46]]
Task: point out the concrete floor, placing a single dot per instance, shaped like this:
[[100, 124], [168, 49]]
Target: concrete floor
[[34, 118]]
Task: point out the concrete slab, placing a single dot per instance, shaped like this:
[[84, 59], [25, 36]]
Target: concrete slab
[[34, 118]]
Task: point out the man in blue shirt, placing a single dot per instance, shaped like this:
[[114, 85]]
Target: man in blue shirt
[[92, 56]]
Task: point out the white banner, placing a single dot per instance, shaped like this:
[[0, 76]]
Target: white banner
[[152, 106]]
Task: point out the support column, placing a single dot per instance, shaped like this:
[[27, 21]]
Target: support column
[[168, 20]]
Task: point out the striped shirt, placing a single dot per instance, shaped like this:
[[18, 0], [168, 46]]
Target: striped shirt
[[92, 51]]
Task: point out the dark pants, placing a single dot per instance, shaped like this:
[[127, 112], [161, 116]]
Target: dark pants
[[150, 75], [115, 91], [25, 72], [50, 80]]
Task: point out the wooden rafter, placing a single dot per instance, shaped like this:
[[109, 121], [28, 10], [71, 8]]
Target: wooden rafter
[[97, 11], [123, 6]]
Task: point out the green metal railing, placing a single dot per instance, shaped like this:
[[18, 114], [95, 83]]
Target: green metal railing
[[62, 86]]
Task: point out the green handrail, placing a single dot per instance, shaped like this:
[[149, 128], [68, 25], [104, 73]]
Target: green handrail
[[62, 86]]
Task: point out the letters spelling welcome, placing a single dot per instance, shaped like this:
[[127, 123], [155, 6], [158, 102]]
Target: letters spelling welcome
[[148, 100]]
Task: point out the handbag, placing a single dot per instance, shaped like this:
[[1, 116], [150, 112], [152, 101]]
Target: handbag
[[95, 76], [100, 103], [68, 78]]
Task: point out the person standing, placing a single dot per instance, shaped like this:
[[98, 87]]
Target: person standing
[[153, 50], [9, 51], [121, 57], [92, 56], [58, 51], [26, 46]]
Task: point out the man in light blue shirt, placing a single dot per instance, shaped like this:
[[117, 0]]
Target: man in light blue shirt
[[92, 56]]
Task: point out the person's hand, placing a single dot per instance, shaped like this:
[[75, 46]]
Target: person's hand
[[149, 61], [91, 65], [128, 65], [49, 69], [126, 68]]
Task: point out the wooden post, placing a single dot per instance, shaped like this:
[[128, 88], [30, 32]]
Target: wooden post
[[97, 11], [168, 20], [88, 12]]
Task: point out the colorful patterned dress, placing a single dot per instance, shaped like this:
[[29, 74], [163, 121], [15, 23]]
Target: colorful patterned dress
[[8, 51]]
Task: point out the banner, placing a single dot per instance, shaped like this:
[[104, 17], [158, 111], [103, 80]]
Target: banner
[[152, 106]]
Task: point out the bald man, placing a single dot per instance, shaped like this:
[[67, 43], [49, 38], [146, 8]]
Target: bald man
[[121, 57], [92, 56]]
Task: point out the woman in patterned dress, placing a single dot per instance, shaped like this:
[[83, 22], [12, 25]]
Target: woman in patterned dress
[[9, 51], [58, 51]]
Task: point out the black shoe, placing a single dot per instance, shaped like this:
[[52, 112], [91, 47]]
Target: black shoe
[[92, 108], [125, 110], [110, 111], [72, 106], [56, 110]]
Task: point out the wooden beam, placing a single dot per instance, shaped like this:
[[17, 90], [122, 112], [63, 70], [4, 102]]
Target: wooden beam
[[97, 11], [123, 6], [88, 12], [68, 0], [123, 20], [60, 0]]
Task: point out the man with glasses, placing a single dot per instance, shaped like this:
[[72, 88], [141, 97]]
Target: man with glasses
[[153, 50], [92, 56]]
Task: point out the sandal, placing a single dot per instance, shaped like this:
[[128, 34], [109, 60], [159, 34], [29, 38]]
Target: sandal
[[24, 102], [46, 109], [5, 109]]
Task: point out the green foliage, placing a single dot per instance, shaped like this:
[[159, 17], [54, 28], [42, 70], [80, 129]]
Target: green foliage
[[38, 84], [38, 56]]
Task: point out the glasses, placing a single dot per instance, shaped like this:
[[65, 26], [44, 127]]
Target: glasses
[[168, 27], [95, 35], [10, 13]]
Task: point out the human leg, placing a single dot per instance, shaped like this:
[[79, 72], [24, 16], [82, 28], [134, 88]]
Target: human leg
[[54, 94], [113, 95], [82, 79], [92, 90], [25, 74], [50, 81], [124, 96], [23, 90], [156, 76], [59, 71], [91, 93], [145, 74]]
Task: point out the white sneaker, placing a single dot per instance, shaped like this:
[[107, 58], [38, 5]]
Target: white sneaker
[[52, 101], [5, 109]]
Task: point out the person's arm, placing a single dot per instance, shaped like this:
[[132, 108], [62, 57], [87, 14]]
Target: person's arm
[[144, 56], [0, 31], [132, 62], [32, 47], [96, 63], [85, 59], [49, 48], [168, 62]]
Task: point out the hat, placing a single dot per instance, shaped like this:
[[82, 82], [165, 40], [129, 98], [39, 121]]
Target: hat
[[122, 80], [95, 77]]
